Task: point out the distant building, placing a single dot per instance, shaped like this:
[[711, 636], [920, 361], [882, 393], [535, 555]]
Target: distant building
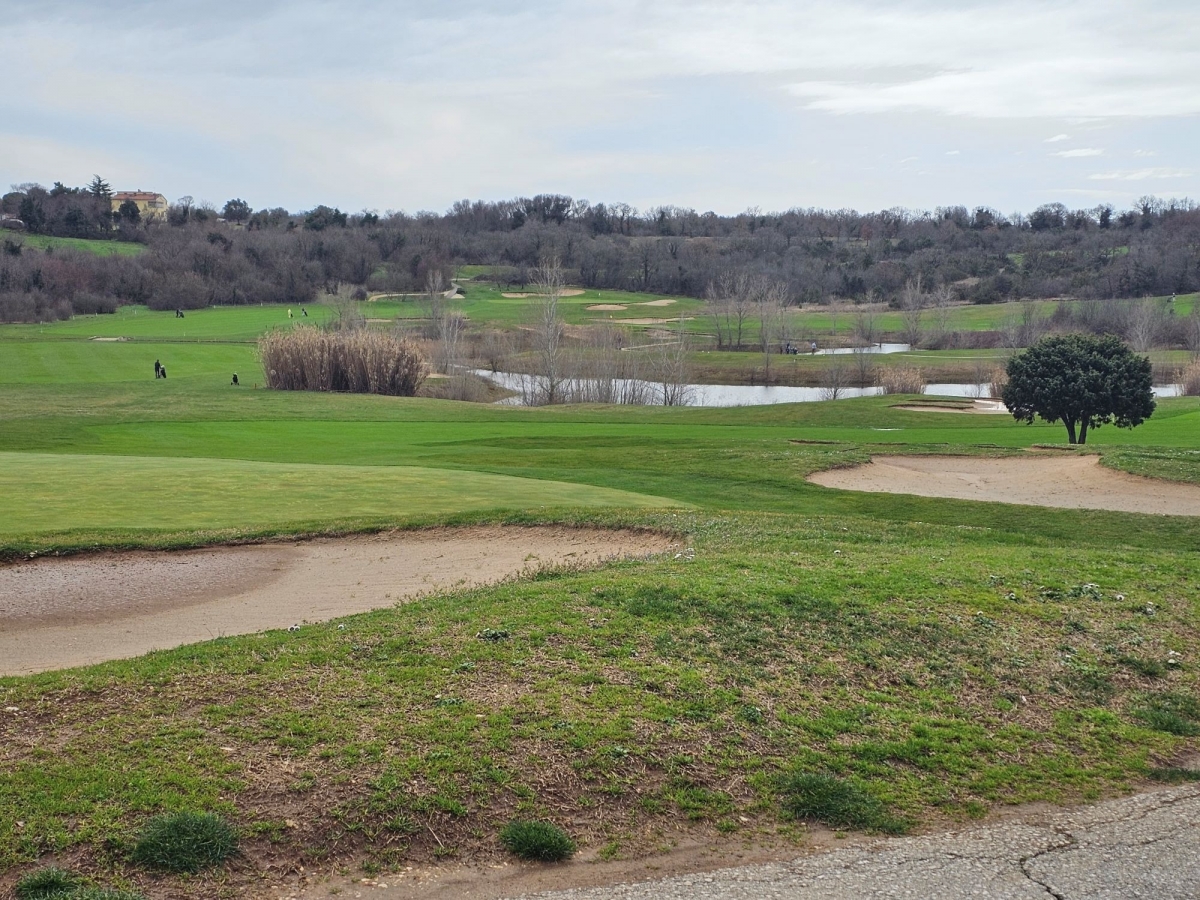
[[150, 205], [7, 220]]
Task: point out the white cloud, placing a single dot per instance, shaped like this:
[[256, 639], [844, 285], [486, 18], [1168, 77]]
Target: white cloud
[[1057, 138], [1142, 174], [952, 153], [1145, 153], [1079, 152]]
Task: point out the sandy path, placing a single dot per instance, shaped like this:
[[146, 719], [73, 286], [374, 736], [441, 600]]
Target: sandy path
[[1074, 482], [58, 613]]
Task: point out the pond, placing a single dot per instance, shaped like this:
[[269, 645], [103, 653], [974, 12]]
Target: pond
[[761, 395]]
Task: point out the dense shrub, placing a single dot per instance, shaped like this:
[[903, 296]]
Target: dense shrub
[[185, 842], [359, 361], [540, 841]]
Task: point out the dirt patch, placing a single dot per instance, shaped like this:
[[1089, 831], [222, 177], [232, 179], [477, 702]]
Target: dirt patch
[[1073, 482], [663, 302], [606, 307], [979, 407], [58, 613]]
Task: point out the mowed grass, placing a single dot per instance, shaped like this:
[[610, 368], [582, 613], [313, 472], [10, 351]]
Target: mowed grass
[[46, 493], [940, 657], [100, 248]]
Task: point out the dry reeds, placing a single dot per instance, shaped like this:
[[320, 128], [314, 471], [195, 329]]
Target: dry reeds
[[359, 362], [901, 380], [1189, 379]]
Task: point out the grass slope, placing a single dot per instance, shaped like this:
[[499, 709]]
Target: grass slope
[[937, 656]]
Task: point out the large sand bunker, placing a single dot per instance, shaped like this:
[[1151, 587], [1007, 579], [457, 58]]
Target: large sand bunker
[[1074, 482], [57, 613]]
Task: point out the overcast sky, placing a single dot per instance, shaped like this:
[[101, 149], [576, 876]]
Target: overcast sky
[[387, 104]]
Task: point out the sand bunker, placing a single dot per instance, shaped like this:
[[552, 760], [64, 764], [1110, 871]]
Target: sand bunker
[[1074, 482], [979, 407], [653, 321], [567, 292], [57, 613], [606, 307], [663, 302]]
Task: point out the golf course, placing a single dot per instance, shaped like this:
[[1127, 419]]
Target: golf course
[[924, 660]]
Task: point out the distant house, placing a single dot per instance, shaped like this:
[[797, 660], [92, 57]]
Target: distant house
[[150, 205], [7, 220]]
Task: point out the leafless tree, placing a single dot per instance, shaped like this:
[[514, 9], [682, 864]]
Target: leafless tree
[[1145, 323], [730, 298], [942, 299], [548, 283], [672, 370], [912, 310], [769, 298], [835, 377], [864, 366], [866, 327]]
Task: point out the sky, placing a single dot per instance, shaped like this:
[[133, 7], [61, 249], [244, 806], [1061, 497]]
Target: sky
[[399, 105]]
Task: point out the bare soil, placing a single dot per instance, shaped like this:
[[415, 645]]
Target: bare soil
[[1072, 482], [663, 302], [605, 307], [74, 611]]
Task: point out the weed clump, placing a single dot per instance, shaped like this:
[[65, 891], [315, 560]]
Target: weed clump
[[540, 841], [1173, 713], [53, 883], [185, 842], [46, 883], [837, 803]]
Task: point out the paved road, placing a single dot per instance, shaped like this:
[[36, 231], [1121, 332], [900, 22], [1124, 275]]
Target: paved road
[[1142, 846]]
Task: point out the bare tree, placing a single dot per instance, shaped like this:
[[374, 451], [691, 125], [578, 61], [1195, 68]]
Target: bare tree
[[912, 306], [942, 299], [730, 298], [1145, 323], [864, 366], [548, 283], [769, 297], [835, 377], [672, 370], [866, 327]]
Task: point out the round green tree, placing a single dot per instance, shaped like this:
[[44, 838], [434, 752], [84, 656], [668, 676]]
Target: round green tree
[[1080, 380]]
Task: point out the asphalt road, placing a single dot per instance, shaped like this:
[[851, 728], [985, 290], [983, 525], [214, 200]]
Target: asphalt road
[[1142, 846]]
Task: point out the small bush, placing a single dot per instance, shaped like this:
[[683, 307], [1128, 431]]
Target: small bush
[[901, 380], [836, 803], [541, 841], [46, 883], [356, 361], [185, 842]]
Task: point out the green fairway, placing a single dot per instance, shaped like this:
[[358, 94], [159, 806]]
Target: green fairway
[[946, 657], [45, 492]]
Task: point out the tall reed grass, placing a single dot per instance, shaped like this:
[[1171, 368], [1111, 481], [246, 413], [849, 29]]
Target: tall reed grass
[[358, 361], [901, 380]]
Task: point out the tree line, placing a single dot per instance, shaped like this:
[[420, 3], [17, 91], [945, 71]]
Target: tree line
[[198, 255]]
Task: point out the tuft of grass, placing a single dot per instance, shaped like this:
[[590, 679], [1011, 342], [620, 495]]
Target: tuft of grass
[[46, 883], [54, 883], [1177, 714], [539, 841], [185, 842], [1174, 774], [837, 803]]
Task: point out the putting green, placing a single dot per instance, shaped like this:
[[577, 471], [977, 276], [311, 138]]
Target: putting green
[[45, 493]]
